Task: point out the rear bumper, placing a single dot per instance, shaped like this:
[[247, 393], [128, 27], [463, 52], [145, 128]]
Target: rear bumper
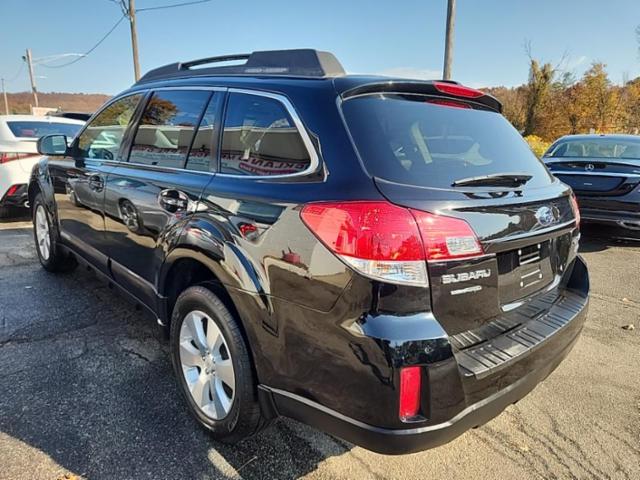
[[488, 391], [19, 198], [619, 210], [621, 219], [397, 442]]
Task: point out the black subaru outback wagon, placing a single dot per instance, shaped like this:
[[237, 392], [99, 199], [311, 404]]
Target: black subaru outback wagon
[[383, 259]]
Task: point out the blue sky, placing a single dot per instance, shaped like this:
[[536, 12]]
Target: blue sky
[[400, 37]]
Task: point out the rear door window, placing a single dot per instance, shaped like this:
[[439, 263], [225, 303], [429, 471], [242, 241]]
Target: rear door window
[[260, 138], [418, 140], [167, 126]]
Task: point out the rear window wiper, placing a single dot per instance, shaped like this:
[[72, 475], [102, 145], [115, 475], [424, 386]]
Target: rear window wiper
[[494, 180]]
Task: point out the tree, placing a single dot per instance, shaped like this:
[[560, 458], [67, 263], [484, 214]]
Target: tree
[[631, 100], [536, 92], [601, 100]]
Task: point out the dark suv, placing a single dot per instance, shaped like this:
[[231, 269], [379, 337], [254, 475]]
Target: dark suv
[[383, 259]]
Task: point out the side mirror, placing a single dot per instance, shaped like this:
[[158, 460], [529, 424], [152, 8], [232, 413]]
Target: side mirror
[[53, 145]]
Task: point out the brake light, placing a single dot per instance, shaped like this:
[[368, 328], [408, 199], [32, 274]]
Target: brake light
[[410, 384], [387, 242], [247, 229], [7, 157], [446, 238], [448, 103], [378, 239], [576, 209], [457, 90], [12, 190]]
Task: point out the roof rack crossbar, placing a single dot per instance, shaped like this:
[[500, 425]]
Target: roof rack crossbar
[[297, 63], [222, 58]]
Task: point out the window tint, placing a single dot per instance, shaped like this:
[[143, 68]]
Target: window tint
[[202, 155], [167, 126], [410, 140], [103, 136], [260, 138], [37, 129], [597, 148]]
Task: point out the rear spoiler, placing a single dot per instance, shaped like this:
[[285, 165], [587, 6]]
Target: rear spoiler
[[439, 88]]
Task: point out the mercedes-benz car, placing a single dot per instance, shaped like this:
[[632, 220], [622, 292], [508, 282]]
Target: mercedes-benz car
[[604, 172]]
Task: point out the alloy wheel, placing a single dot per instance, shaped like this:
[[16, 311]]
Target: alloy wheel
[[207, 365], [42, 233], [129, 215]]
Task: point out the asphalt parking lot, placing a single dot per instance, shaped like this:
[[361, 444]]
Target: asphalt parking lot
[[86, 390]]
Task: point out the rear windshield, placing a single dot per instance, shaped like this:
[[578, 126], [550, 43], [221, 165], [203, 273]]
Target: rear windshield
[[596, 148], [36, 129], [409, 140]]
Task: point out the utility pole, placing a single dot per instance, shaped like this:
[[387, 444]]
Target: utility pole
[[448, 44], [131, 12], [6, 102], [27, 59]]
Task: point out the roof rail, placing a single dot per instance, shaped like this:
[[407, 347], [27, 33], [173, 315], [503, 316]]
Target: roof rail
[[297, 63]]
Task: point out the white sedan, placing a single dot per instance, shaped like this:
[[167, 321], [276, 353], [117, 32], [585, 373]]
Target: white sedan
[[18, 154]]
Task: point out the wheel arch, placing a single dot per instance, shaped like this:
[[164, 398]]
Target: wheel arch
[[33, 190], [186, 269], [40, 182]]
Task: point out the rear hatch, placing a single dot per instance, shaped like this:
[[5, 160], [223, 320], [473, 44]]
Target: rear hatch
[[462, 159], [597, 176]]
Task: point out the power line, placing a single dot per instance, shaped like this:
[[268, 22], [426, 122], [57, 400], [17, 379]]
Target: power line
[[126, 13], [184, 4], [20, 69], [84, 55]]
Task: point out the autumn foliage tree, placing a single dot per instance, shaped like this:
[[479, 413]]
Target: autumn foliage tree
[[553, 103], [536, 94]]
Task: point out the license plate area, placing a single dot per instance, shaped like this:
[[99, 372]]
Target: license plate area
[[524, 271]]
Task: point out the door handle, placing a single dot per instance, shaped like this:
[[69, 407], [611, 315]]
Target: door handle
[[96, 183], [173, 200]]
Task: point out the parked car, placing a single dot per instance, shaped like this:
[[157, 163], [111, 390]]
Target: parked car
[[604, 172], [75, 115], [18, 153], [384, 259]]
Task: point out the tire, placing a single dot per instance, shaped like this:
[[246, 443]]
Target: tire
[[51, 256], [198, 366]]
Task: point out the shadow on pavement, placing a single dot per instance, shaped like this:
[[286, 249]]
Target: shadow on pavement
[[21, 215], [87, 380], [596, 237]]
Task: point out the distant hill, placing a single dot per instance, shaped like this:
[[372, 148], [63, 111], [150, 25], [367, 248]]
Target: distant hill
[[69, 102]]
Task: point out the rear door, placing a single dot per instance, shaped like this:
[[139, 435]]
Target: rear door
[[79, 179], [151, 194], [462, 160]]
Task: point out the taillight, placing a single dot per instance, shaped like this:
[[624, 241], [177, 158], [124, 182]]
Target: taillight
[[410, 385], [446, 238], [388, 242], [12, 190], [378, 239], [457, 90], [576, 209], [7, 157], [247, 229]]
